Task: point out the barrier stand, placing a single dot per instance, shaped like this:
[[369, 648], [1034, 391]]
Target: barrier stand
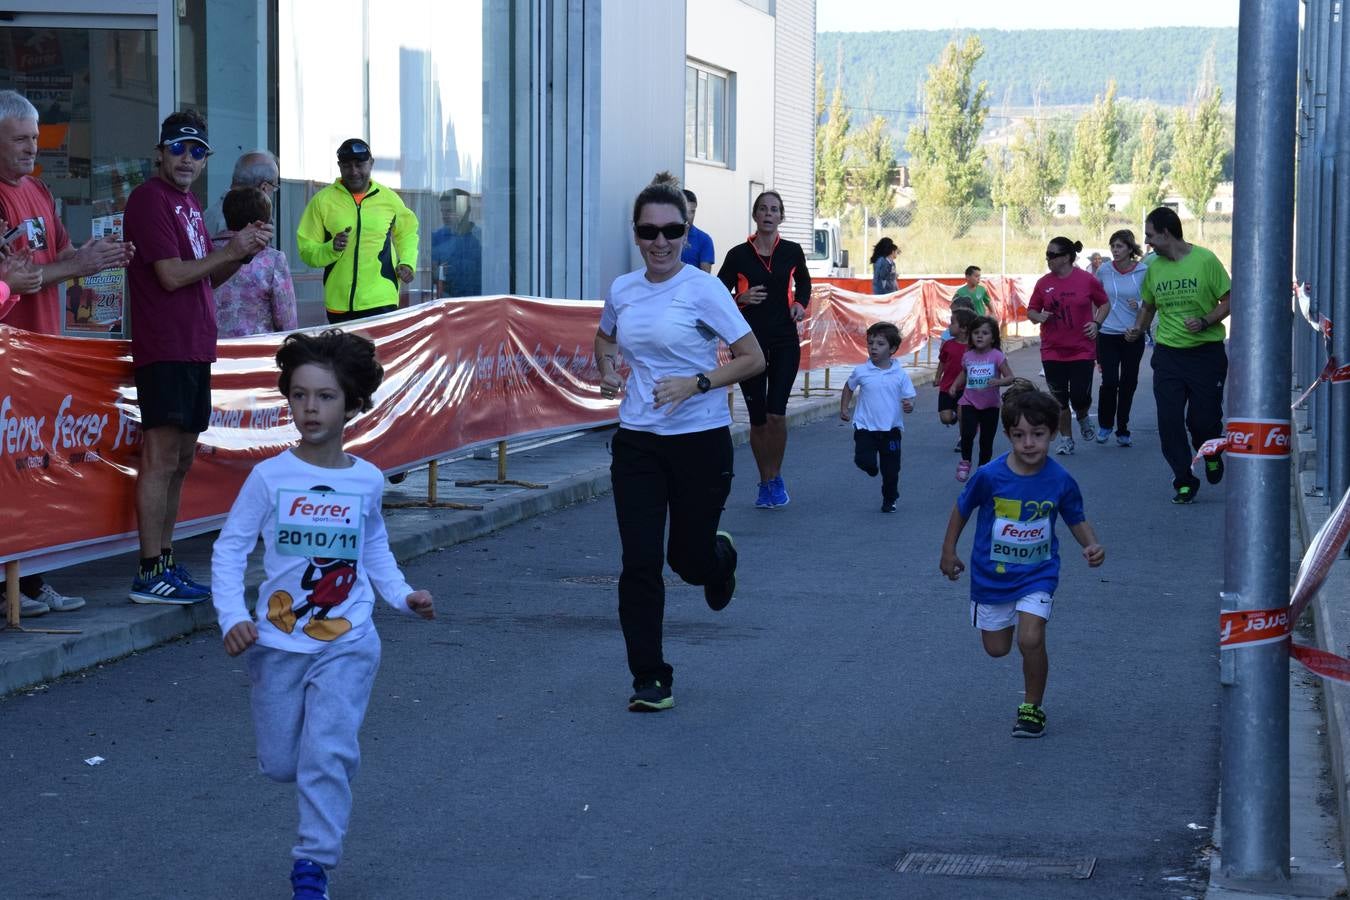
[[12, 605], [431, 502], [501, 474]]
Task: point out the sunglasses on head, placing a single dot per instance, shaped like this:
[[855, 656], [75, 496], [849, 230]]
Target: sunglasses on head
[[178, 148], [670, 232]]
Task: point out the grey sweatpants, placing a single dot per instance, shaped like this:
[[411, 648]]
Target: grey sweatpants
[[307, 710]]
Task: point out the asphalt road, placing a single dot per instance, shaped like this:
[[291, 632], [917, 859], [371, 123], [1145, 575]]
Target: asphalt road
[[838, 715]]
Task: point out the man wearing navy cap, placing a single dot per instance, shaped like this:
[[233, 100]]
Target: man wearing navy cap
[[173, 341], [362, 236]]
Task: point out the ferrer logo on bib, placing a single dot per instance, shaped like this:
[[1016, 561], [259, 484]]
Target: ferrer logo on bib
[[1023, 543], [318, 524]]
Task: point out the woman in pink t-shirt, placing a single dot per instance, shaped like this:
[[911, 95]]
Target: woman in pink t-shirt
[[1070, 305]]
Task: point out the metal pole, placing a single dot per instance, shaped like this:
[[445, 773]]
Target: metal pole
[[1327, 95], [1255, 680], [1333, 442], [1004, 268], [1302, 219]]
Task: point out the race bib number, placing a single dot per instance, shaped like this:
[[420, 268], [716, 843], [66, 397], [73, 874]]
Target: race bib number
[[1023, 543], [979, 374], [318, 524]]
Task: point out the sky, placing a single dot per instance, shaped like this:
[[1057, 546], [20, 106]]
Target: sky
[[867, 15]]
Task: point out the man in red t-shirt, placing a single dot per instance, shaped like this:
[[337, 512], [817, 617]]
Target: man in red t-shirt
[[173, 341], [26, 204]]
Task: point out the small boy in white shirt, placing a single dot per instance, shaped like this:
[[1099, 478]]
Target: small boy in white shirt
[[886, 393], [312, 649]]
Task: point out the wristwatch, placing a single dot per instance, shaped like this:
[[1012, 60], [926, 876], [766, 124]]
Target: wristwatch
[[704, 385]]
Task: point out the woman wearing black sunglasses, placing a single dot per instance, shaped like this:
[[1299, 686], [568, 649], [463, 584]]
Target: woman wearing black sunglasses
[[768, 277], [1070, 305], [672, 452]]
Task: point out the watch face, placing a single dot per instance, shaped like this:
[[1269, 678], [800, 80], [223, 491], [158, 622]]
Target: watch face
[[704, 384]]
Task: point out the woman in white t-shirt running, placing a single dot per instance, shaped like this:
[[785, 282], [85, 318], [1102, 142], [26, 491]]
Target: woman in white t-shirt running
[[1119, 358], [672, 453]]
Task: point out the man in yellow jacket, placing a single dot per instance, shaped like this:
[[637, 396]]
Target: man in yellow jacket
[[362, 236]]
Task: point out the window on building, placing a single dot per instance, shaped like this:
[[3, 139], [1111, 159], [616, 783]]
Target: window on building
[[1110, 207], [1059, 209], [1218, 206], [707, 105]]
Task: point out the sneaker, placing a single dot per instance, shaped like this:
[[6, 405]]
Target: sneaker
[[719, 595], [1064, 447], [1103, 435], [1185, 494], [308, 881], [165, 588], [1123, 439], [963, 470], [30, 607], [57, 602], [1214, 469], [651, 696], [1030, 721], [888, 506], [765, 498], [182, 574], [1087, 427], [778, 494]]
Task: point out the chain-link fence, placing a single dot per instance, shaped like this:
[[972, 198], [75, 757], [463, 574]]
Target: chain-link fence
[[943, 241]]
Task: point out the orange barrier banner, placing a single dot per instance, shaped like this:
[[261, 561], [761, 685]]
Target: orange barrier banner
[[458, 373]]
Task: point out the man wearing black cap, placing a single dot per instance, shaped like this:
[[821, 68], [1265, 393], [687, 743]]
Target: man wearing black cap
[[173, 341], [362, 236]]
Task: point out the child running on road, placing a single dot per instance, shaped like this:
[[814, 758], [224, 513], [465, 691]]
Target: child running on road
[[984, 369], [325, 554], [886, 394], [1015, 556], [949, 365]]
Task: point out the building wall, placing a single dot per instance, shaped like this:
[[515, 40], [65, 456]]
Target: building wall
[[733, 36], [638, 129], [794, 163]]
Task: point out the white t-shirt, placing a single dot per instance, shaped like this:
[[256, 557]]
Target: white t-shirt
[[1123, 291], [671, 328], [324, 545], [882, 390]]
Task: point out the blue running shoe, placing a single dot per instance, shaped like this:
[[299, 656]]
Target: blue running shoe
[[778, 494], [165, 588], [1124, 439], [183, 575], [308, 880], [1103, 435], [765, 498]]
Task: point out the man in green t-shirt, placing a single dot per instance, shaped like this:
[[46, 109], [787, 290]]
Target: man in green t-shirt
[[973, 291], [1189, 289]]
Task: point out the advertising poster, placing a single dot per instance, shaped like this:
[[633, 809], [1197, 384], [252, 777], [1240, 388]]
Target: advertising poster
[[95, 305]]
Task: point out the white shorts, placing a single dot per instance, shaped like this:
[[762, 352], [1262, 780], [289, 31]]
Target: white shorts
[[998, 616]]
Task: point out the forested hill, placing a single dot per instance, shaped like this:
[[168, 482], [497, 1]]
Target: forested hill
[[1066, 67]]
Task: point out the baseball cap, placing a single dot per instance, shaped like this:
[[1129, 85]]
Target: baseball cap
[[184, 132], [353, 148]]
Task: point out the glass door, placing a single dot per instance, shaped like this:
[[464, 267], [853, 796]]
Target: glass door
[[95, 80]]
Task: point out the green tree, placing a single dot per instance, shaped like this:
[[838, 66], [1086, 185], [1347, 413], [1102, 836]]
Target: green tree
[[873, 165], [947, 166], [832, 144], [1199, 148], [1031, 173], [1090, 163], [1146, 168]]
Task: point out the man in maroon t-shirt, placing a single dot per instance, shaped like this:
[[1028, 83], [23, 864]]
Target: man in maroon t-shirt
[[26, 204], [173, 341]]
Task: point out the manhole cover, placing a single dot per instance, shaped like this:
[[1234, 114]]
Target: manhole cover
[[970, 865]]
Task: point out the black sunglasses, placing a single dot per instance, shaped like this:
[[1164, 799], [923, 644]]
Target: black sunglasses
[[670, 232], [178, 148], [1049, 255]]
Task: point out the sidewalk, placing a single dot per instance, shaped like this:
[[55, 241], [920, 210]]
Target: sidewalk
[[565, 470]]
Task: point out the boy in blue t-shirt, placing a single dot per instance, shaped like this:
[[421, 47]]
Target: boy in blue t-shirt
[[1015, 557]]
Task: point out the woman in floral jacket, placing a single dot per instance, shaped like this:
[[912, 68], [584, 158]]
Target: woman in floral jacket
[[259, 298]]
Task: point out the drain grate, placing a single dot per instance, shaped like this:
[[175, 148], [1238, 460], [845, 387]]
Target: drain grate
[[972, 865]]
